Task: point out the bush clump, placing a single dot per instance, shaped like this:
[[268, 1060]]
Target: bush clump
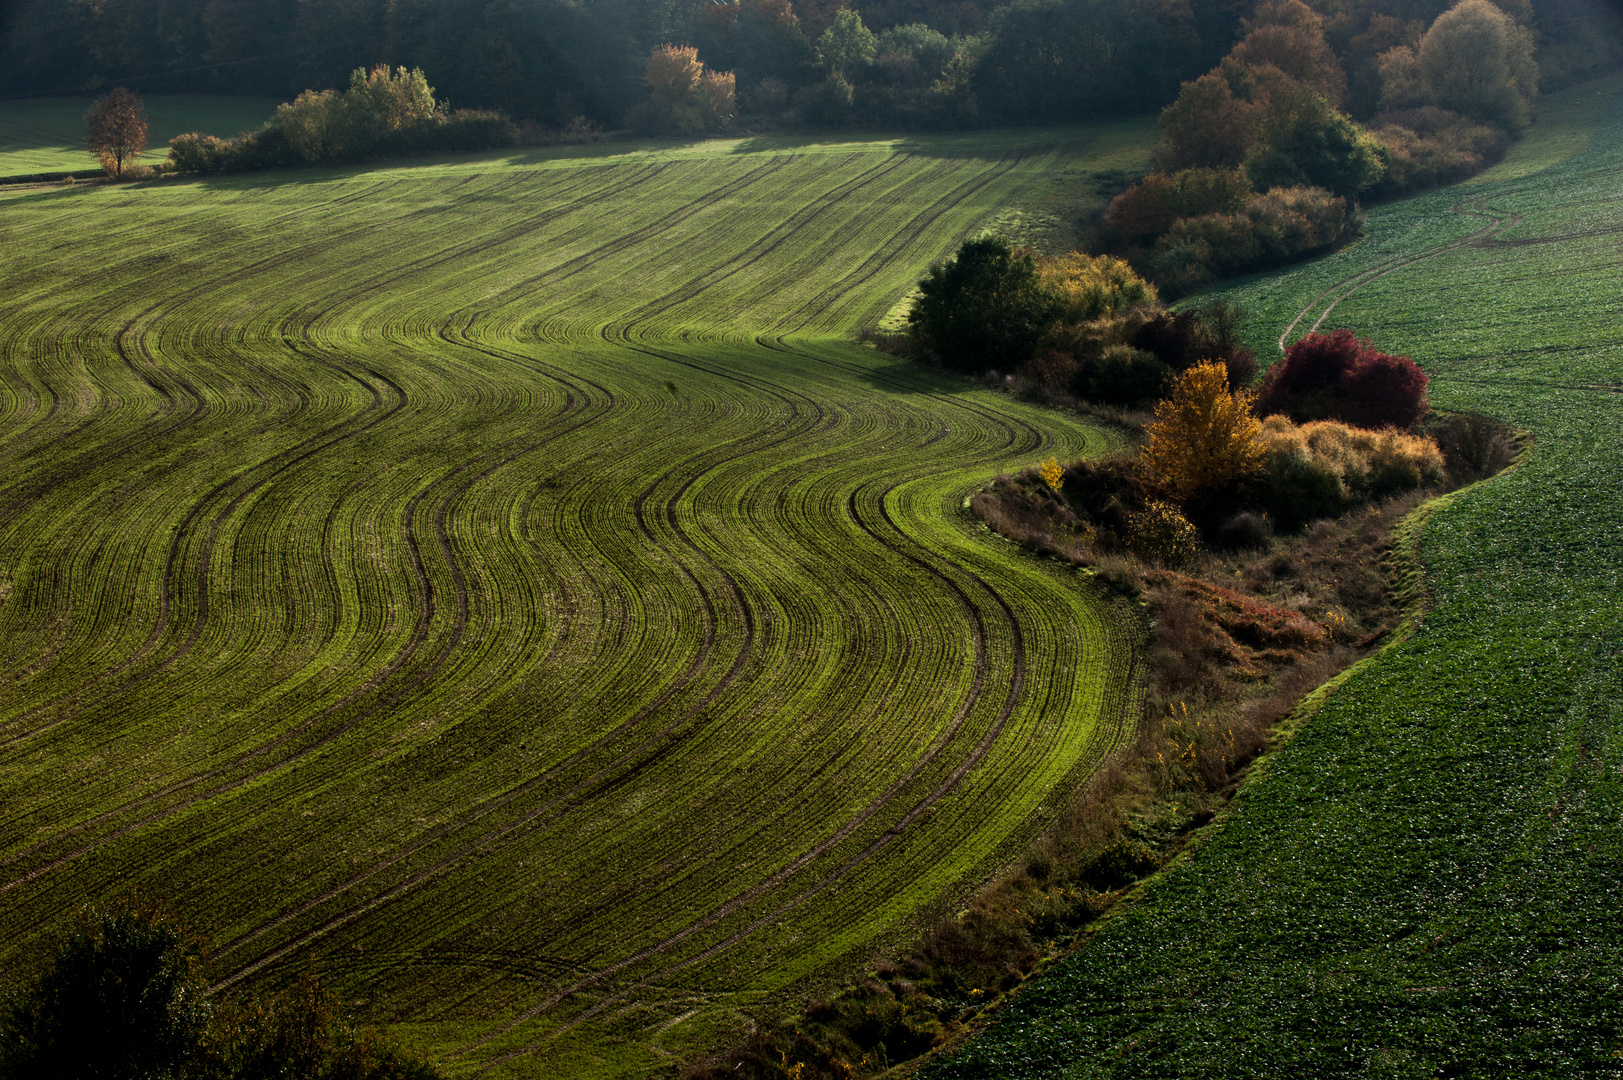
[[1322, 468], [1427, 147], [382, 114], [1339, 376], [1271, 229], [1160, 534]]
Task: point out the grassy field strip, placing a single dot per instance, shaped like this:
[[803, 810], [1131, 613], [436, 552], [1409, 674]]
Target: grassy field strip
[[1424, 881], [492, 585]]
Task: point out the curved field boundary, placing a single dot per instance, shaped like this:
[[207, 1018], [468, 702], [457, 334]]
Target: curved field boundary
[[1421, 883]]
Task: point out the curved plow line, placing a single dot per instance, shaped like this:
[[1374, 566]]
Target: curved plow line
[[145, 436], [1013, 429], [420, 634], [182, 533], [979, 637], [978, 631], [605, 776], [918, 810]]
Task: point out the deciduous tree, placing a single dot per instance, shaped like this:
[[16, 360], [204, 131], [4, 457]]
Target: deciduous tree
[[846, 47], [1204, 439], [1478, 62], [983, 308], [116, 128], [1289, 35], [1303, 141], [1475, 60], [1208, 126], [673, 73]]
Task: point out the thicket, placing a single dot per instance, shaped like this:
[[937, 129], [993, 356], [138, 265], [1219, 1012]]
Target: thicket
[[1338, 376], [1072, 327], [123, 996], [1259, 164], [381, 114]]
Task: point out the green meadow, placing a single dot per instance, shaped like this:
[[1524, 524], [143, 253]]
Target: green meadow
[[499, 585], [1425, 881]]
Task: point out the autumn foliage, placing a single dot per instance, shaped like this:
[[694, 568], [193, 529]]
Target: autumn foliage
[[1091, 287], [1204, 439], [116, 128], [1339, 376], [684, 97]]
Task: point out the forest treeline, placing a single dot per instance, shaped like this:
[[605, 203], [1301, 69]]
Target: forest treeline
[[915, 63]]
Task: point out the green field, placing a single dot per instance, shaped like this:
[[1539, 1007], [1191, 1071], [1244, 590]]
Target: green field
[[48, 134], [1425, 882], [500, 586]]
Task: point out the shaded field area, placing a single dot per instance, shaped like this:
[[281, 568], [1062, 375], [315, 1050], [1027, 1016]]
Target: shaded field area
[[47, 135], [1424, 882], [497, 586]]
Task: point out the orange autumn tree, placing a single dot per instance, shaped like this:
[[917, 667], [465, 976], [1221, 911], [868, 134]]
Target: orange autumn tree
[[1204, 439], [684, 98], [116, 129], [673, 73]]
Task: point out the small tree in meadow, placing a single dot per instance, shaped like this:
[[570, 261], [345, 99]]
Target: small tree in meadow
[[116, 128]]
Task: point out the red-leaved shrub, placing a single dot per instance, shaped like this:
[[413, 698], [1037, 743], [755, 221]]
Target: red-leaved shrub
[[1342, 377]]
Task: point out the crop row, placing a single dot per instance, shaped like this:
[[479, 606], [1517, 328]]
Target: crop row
[[497, 589]]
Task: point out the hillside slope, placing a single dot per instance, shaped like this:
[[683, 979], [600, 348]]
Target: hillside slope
[[1425, 882], [500, 587]]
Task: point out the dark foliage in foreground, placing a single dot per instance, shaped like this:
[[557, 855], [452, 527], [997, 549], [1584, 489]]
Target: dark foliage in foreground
[[124, 997]]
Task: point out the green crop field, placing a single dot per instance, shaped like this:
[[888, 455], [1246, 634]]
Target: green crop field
[[1425, 882], [48, 134], [499, 586]]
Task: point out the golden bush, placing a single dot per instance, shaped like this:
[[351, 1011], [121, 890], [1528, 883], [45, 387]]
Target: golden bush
[[1093, 287], [1052, 473], [1161, 534]]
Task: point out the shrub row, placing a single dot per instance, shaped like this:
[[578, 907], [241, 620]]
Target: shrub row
[[380, 115], [1271, 229]]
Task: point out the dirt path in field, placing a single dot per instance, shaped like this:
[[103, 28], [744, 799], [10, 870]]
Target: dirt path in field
[[1335, 294]]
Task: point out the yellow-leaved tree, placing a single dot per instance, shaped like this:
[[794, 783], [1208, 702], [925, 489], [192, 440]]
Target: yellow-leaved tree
[[1093, 286], [1204, 438]]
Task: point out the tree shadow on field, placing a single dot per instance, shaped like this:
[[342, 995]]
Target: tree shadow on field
[[909, 377], [969, 146]]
